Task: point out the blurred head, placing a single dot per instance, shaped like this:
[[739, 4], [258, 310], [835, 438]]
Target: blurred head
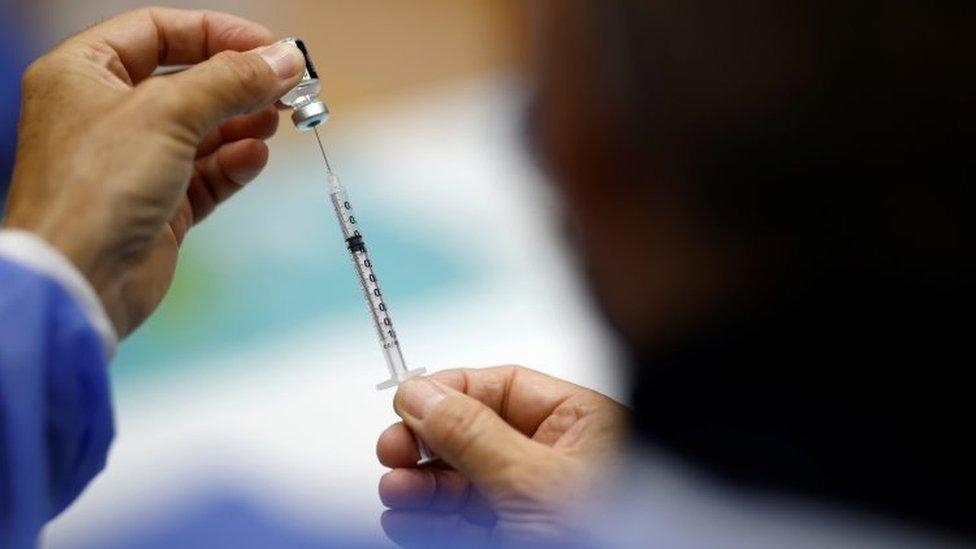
[[12, 64], [713, 156]]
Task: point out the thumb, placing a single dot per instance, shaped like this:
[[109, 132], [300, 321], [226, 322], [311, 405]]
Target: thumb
[[461, 430], [227, 84]]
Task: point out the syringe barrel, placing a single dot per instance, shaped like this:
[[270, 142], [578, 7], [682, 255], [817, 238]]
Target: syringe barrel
[[369, 284]]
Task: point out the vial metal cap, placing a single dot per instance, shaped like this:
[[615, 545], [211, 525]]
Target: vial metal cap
[[309, 115]]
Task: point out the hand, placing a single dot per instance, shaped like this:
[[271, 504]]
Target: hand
[[114, 166], [517, 448]]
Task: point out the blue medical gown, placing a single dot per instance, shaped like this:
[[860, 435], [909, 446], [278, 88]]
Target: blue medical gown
[[55, 408]]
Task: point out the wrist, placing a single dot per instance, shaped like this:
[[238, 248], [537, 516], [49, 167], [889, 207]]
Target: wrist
[[73, 242], [37, 254], [77, 246]]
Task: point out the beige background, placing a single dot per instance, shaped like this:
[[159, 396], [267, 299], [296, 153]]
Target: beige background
[[366, 50]]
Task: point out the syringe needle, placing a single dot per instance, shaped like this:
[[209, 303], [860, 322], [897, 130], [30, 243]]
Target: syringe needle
[[321, 148]]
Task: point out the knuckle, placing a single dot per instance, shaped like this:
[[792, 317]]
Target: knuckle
[[36, 72], [152, 13], [453, 377], [460, 428], [176, 107], [145, 13], [163, 93], [146, 10], [516, 479], [248, 73], [537, 479], [159, 86]]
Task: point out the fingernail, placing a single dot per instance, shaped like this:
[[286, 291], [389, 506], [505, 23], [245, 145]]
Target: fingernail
[[243, 176], [420, 396], [284, 59]]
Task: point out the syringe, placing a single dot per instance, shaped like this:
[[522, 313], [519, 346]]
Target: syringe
[[370, 287], [308, 111]]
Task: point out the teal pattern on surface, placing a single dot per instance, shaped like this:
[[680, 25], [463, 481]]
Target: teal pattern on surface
[[268, 263]]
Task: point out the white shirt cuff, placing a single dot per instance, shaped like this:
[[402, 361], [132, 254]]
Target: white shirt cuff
[[34, 253]]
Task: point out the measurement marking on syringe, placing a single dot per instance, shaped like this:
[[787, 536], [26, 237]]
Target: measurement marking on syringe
[[355, 244], [370, 287]]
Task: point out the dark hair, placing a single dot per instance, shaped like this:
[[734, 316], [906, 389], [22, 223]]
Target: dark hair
[[840, 134], [844, 128], [12, 64]]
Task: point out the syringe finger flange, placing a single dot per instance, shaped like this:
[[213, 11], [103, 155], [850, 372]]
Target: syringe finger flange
[[394, 381], [426, 456]]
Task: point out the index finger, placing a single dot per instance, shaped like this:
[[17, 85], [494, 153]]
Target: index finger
[[522, 397], [144, 39]]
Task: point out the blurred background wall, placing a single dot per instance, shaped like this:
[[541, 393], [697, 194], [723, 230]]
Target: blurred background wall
[[245, 406], [371, 50], [368, 48]]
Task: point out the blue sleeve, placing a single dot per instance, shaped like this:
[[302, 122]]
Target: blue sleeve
[[55, 406]]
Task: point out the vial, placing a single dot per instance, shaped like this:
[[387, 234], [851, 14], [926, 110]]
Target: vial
[[308, 110]]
